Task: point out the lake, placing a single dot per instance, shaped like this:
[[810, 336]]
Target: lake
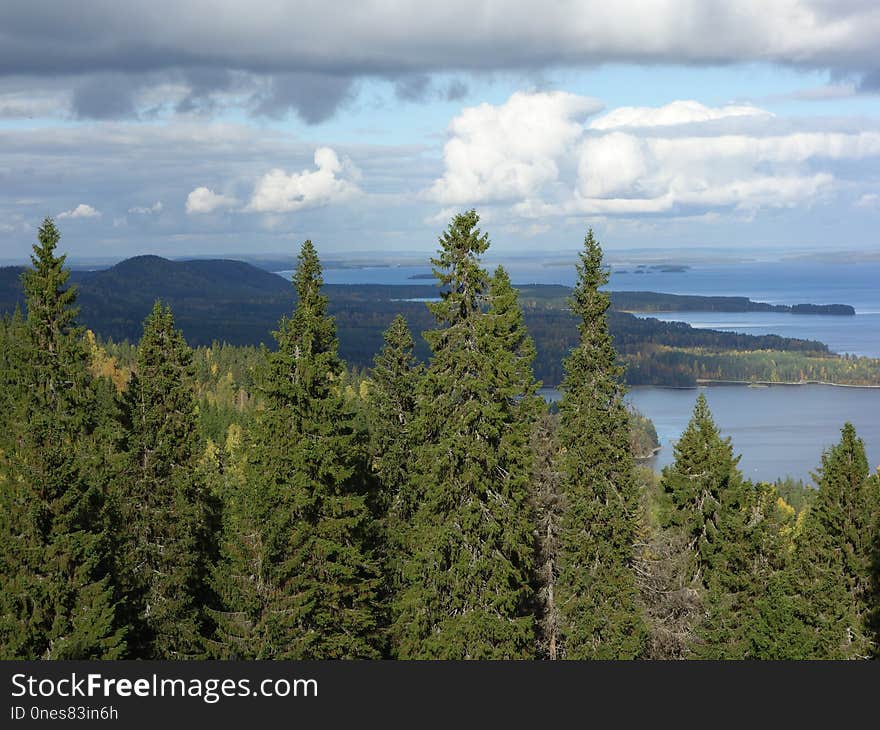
[[779, 430]]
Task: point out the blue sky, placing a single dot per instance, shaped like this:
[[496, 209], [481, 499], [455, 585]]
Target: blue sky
[[225, 128]]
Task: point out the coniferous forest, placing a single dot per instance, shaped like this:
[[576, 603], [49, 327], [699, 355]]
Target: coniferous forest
[[158, 502]]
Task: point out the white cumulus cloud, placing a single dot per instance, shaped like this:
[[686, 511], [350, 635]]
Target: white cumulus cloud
[[81, 211], [205, 200], [332, 181], [511, 151], [537, 154]]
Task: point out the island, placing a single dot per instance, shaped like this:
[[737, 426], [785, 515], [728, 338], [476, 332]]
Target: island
[[648, 301]]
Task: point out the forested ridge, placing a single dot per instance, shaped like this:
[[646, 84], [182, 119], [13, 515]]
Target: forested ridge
[[160, 502], [237, 304]]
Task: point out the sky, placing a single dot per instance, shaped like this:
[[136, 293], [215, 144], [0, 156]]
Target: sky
[[196, 128]]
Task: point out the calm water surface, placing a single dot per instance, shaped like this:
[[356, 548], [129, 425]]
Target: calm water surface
[[779, 431]]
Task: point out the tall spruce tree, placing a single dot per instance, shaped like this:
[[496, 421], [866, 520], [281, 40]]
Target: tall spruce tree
[[469, 552], [300, 580], [709, 507], [600, 615], [834, 556], [57, 600], [392, 401], [703, 475], [167, 514], [736, 560]]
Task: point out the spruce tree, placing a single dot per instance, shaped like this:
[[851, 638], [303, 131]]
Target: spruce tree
[[469, 552], [394, 382], [709, 506], [57, 600], [738, 558], [392, 400], [600, 615], [549, 506], [300, 581], [835, 569], [167, 514], [703, 474]]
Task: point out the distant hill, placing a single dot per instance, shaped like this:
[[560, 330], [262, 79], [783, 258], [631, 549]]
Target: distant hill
[[241, 304]]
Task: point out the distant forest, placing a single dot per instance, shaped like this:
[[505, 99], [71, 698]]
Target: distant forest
[[234, 303], [432, 509]]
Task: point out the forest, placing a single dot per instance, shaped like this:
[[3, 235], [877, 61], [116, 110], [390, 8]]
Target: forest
[[160, 502], [234, 303]]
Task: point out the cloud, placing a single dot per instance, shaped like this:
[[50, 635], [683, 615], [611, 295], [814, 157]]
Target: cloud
[[204, 200], [104, 96], [385, 36], [315, 97], [510, 151], [142, 210], [306, 58], [868, 200], [678, 112], [81, 211], [535, 154], [332, 181]]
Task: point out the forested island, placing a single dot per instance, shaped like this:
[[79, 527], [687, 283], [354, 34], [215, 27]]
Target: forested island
[[413, 510], [648, 301]]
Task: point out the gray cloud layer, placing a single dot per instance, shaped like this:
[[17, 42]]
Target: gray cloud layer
[[305, 56]]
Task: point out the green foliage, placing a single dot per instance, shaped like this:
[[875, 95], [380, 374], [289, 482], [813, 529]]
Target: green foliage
[[600, 615], [469, 552], [836, 583], [167, 516], [392, 400], [417, 512], [299, 580], [703, 475], [57, 600]]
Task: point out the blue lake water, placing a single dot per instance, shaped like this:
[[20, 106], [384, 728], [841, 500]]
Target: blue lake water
[[779, 431]]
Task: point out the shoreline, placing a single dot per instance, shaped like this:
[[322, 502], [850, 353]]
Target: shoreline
[[770, 383]]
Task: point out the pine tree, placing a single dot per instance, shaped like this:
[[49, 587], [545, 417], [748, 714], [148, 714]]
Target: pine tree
[[167, 514], [600, 616], [835, 566], [57, 600], [469, 552], [300, 581]]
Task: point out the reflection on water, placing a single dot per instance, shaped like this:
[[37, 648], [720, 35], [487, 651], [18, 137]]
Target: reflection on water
[[780, 430]]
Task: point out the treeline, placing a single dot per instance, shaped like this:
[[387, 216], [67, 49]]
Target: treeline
[[687, 366], [422, 510]]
